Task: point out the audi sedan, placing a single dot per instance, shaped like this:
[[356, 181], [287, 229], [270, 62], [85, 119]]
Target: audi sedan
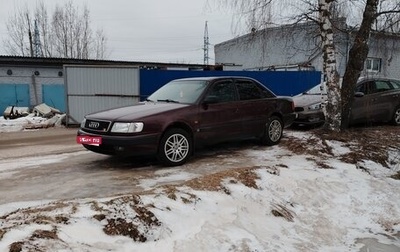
[[186, 114]]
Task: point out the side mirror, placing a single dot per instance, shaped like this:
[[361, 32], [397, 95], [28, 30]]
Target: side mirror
[[359, 94], [210, 99]]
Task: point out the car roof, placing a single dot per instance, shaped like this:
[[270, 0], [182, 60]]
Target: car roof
[[369, 78], [210, 78]]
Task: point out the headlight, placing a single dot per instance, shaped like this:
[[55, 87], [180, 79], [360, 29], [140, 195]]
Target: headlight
[[120, 127], [315, 106], [83, 123]]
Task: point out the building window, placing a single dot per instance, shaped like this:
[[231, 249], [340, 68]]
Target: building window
[[373, 65]]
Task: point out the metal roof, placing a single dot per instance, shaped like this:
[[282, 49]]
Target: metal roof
[[59, 62]]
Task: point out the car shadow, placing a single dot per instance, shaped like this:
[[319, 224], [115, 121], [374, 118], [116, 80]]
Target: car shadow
[[125, 163]]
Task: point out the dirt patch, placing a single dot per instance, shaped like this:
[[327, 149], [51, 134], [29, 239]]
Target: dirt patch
[[44, 234], [396, 176], [367, 143], [279, 210], [135, 221], [213, 182]]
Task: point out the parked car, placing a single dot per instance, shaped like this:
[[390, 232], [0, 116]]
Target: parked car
[[375, 100], [308, 106], [188, 113]]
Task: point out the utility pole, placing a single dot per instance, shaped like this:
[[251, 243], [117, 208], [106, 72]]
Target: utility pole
[[206, 45]]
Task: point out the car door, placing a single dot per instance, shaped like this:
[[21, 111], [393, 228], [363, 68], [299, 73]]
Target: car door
[[219, 119], [375, 104], [362, 103], [382, 100], [255, 106]]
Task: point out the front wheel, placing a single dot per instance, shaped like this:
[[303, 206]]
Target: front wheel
[[273, 131], [175, 147], [396, 116]]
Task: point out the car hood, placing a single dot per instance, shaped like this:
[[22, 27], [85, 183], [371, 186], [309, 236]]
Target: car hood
[[134, 112], [306, 99]]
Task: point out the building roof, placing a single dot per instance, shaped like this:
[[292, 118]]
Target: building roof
[[59, 62]]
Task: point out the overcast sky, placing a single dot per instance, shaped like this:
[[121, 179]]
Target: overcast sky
[[146, 30]]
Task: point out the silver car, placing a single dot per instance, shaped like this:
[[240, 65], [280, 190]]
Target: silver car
[[308, 106], [375, 100]]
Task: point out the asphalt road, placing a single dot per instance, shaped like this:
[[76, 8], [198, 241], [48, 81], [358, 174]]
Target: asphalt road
[[47, 164]]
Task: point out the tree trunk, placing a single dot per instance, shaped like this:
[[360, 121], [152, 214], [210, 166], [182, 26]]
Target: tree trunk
[[357, 56], [332, 109]]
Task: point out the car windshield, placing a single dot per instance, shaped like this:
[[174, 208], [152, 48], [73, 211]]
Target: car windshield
[[179, 91]]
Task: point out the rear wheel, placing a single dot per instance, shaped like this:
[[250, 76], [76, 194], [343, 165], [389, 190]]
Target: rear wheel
[[396, 116], [175, 147], [273, 131]]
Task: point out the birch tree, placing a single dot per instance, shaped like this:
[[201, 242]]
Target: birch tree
[[332, 108], [65, 33]]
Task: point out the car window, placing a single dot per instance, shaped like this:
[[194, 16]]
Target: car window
[[182, 91], [366, 87], [224, 91], [395, 84], [249, 90], [317, 90], [381, 86]]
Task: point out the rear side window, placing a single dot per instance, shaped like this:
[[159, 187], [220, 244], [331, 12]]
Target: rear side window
[[395, 84], [249, 90]]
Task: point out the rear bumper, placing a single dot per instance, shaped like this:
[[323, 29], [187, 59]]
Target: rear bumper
[[123, 145], [289, 119]]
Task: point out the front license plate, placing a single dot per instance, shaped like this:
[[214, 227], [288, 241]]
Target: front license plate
[[88, 140]]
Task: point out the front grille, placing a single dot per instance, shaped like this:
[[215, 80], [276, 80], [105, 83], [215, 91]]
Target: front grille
[[298, 109], [97, 125]]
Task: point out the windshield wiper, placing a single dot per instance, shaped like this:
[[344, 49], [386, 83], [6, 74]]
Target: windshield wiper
[[148, 100], [167, 100]]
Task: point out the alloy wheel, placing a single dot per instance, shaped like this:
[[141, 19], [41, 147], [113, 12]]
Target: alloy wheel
[[275, 130], [176, 148]]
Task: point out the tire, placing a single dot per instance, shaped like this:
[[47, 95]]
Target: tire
[[396, 116], [273, 131], [175, 147]]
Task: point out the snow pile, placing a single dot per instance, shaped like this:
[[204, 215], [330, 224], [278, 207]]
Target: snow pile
[[19, 118], [30, 122], [314, 201]]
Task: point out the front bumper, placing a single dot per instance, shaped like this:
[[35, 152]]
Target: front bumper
[[129, 145], [309, 117]]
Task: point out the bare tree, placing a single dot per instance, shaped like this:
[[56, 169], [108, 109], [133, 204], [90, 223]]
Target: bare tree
[[377, 15], [18, 40], [67, 33], [45, 30]]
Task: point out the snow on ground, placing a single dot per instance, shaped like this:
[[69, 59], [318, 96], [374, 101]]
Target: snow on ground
[[291, 201], [29, 122]]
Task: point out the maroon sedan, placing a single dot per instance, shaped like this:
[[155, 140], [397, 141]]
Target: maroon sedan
[[189, 113]]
